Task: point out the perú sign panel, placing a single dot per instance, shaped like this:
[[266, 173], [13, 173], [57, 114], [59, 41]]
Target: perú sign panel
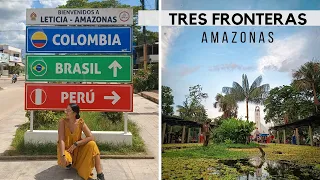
[[56, 39], [79, 68], [90, 97], [97, 16]]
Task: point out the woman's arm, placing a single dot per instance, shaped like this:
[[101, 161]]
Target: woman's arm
[[61, 136], [89, 136]]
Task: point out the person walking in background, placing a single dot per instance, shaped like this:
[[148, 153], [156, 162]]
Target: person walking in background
[[206, 130]]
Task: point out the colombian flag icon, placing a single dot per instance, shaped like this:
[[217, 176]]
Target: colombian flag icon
[[39, 39]]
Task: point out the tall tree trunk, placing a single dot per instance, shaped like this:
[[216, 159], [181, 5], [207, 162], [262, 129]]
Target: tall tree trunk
[[247, 105], [315, 98]]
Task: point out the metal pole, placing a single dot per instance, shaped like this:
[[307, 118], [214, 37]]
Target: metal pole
[[157, 4], [125, 123], [145, 49], [31, 121]]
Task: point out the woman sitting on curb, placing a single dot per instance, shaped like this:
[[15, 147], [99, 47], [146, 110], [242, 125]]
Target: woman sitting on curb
[[72, 150]]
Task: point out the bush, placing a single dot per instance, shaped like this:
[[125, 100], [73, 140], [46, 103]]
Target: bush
[[114, 117], [233, 130], [146, 80], [44, 118]]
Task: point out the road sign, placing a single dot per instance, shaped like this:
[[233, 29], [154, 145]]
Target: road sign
[[97, 16], [79, 68], [57, 39], [90, 97]]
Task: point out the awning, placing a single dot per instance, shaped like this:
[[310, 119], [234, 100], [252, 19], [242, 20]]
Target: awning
[[20, 64]]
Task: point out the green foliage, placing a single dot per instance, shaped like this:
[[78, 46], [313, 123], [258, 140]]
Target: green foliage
[[114, 117], [96, 122], [167, 101], [192, 109], [256, 93], [146, 80], [286, 100], [213, 151], [44, 118], [226, 104], [200, 168], [234, 130], [228, 141]]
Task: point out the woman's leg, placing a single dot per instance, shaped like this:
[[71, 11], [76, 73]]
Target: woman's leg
[[98, 164]]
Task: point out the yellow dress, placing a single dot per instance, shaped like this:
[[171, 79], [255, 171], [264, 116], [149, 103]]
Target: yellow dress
[[82, 158]]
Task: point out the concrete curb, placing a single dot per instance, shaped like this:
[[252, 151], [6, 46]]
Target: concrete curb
[[54, 157], [155, 100]]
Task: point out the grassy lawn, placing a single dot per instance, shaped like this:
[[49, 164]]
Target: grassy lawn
[[300, 154], [96, 122], [194, 161]]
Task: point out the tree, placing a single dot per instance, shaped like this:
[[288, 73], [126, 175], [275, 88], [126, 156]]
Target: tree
[[306, 78], [254, 93], [167, 101], [287, 101], [234, 130], [138, 36], [227, 104], [192, 108]]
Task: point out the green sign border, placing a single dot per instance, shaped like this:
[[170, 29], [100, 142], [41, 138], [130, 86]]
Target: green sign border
[[78, 80]]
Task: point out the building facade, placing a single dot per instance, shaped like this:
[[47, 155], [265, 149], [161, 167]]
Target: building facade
[[9, 57], [152, 55]]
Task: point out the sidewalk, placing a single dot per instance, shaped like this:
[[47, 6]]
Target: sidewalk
[[151, 95], [145, 115]]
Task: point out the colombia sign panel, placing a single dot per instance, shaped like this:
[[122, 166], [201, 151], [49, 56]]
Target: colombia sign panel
[[90, 97], [55, 39], [79, 68], [82, 16]]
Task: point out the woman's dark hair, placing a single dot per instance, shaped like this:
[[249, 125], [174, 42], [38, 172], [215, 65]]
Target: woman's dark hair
[[75, 108]]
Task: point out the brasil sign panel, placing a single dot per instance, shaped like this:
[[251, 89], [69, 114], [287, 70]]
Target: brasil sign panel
[[79, 68], [90, 97], [80, 16], [56, 39]]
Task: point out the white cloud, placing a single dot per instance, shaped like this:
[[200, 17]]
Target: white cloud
[[168, 37], [231, 67], [12, 18], [52, 3], [290, 53]]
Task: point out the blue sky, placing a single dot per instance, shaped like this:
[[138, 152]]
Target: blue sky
[[187, 62]]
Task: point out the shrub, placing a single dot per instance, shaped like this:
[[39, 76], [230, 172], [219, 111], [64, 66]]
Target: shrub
[[44, 118], [233, 130], [146, 80], [114, 117]]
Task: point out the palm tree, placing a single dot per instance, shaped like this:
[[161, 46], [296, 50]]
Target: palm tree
[[306, 78], [227, 104], [255, 93], [192, 111]]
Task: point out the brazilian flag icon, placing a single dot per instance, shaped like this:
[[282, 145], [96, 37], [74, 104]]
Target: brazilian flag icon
[[39, 68]]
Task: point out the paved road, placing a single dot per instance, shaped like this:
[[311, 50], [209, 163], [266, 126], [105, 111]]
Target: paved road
[[12, 114]]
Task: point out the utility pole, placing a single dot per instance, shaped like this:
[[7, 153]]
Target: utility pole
[[145, 49], [157, 4]]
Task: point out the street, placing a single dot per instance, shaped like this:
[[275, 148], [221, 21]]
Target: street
[[12, 114]]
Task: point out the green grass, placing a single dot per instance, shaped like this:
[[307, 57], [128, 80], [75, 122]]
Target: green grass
[[96, 122], [213, 151]]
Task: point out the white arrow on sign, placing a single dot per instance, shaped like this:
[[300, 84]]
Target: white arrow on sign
[[115, 65], [115, 97]]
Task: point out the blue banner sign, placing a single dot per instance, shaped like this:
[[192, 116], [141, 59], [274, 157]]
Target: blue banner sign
[[57, 39]]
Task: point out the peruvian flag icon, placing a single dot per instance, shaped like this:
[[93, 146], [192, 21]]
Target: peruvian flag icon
[[38, 97]]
